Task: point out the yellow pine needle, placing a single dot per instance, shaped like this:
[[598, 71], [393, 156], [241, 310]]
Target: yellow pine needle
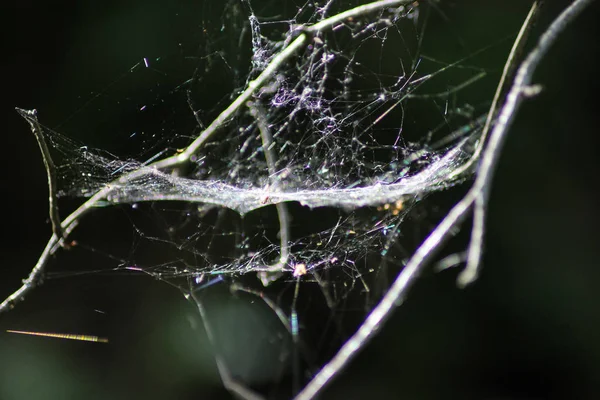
[[85, 338]]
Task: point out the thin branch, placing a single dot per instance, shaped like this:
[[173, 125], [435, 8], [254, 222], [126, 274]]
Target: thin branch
[[392, 298], [434, 241], [31, 117], [516, 49], [229, 382], [475, 251], [260, 116], [520, 90], [295, 339], [355, 12]]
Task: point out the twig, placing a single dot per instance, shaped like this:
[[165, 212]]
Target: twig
[[520, 90], [229, 382], [274, 271], [31, 117], [517, 47], [416, 264], [475, 250]]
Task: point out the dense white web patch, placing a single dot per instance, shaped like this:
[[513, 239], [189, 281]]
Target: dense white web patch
[[326, 111], [335, 118]]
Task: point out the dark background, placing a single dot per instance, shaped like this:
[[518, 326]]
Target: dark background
[[529, 327]]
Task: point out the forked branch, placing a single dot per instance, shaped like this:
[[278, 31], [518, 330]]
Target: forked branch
[[489, 160], [31, 117]]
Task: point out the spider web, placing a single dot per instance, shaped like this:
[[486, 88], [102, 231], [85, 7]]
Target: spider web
[[309, 186]]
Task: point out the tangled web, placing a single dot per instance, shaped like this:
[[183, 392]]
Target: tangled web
[[308, 179]]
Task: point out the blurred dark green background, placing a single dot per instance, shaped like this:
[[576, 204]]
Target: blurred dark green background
[[528, 329]]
